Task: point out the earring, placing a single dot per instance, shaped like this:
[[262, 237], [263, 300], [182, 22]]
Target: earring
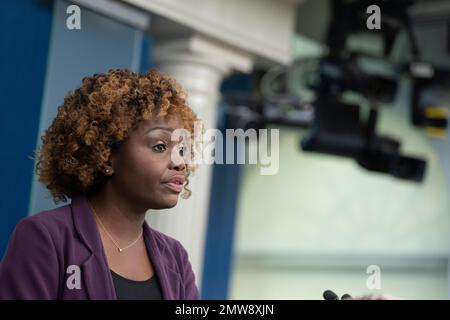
[[107, 171]]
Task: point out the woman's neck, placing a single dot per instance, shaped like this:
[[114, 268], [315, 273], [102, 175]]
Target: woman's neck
[[119, 215]]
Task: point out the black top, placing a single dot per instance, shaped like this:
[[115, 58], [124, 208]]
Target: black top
[[127, 289]]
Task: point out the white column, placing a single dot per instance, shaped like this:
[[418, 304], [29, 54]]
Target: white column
[[199, 66]]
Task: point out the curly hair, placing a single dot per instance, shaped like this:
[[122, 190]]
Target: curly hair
[[95, 119]]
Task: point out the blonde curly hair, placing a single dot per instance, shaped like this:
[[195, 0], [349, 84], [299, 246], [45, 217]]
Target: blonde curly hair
[[93, 121]]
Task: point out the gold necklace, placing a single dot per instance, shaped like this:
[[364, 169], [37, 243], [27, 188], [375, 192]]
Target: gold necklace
[[111, 237]]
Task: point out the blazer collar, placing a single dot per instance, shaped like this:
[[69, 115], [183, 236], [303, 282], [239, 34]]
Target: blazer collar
[[96, 267], [169, 279], [85, 224]]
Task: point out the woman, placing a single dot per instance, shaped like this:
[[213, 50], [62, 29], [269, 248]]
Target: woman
[[110, 151]]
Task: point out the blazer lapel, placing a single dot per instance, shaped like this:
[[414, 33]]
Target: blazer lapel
[[98, 279], [95, 270], [169, 279], [98, 283]]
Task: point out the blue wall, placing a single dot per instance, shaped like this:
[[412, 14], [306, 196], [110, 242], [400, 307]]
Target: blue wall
[[24, 40], [222, 211], [41, 61], [101, 44]]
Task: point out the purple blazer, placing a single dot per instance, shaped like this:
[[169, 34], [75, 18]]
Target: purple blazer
[[48, 249]]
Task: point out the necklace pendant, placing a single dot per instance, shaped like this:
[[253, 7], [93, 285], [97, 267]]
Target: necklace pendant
[[120, 250]]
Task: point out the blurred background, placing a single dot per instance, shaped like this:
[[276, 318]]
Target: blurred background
[[360, 93]]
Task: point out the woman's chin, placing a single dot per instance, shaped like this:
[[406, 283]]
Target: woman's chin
[[166, 202], [171, 204]]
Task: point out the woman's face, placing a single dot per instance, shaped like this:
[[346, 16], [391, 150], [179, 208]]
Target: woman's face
[[148, 167]]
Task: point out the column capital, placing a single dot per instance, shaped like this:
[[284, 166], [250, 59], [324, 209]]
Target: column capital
[[261, 28], [198, 49]]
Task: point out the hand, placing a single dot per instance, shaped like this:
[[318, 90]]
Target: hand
[[374, 297]]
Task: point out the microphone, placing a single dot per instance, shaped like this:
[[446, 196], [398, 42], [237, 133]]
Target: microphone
[[330, 295]]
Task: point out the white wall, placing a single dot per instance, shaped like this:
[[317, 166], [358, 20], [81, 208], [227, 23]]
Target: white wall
[[322, 220], [323, 206]]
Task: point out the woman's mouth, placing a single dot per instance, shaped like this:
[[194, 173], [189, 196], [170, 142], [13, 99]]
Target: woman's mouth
[[174, 186], [175, 182]]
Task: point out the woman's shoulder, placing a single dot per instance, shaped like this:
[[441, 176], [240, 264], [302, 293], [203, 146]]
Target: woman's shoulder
[[53, 220], [33, 255]]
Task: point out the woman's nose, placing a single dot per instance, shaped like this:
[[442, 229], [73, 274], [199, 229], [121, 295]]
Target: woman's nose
[[177, 162]]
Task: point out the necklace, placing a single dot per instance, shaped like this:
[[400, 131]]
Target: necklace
[[111, 237]]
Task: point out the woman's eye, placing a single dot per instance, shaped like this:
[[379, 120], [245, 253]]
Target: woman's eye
[[181, 150], [160, 147]]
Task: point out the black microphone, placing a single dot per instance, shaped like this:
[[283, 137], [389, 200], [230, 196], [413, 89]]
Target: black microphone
[[330, 295]]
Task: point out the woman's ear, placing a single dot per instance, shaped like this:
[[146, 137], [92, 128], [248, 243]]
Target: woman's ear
[[107, 168]]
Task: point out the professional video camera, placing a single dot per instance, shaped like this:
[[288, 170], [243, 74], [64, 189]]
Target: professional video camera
[[337, 125], [338, 128]]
